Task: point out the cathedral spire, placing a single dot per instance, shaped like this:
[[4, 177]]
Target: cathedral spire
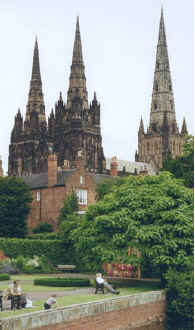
[[141, 127], [35, 96], [162, 96], [77, 80], [184, 130]]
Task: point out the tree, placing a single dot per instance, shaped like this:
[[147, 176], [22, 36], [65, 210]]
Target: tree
[[15, 199], [70, 207], [152, 213], [43, 227], [68, 218], [183, 166]]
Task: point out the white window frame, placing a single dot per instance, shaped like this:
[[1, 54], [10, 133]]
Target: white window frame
[[81, 179], [82, 196], [38, 196]]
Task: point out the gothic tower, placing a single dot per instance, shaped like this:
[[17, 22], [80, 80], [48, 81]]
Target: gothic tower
[[162, 138], [75, 125], [28, 150]]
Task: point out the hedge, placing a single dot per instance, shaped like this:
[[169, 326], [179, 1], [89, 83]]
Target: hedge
[[62, 282], [43, 236], [4, 277], [55, 250]]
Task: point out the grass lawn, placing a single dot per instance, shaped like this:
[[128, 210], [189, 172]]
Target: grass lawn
[[28, 287], [74, 299]]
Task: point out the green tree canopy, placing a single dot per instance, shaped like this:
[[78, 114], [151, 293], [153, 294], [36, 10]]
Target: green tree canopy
[[70, 207], [183, 166], [152, 213], [68, 218], [15, 199]]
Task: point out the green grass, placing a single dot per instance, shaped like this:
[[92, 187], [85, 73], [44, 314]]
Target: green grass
[[74, 299], [28, 287]]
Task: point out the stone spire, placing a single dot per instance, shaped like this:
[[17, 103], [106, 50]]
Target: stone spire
[[184, 130], [162, 96], [141, 127], [35, 96], [77, 80]]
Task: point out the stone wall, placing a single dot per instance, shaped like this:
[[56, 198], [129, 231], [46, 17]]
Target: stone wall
[[142, 311]]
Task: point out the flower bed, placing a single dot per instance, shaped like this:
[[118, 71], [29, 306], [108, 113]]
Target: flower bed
[[122, 270]]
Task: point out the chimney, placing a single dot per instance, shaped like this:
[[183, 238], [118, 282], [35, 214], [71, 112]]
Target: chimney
[[52, 170], [114, 166]]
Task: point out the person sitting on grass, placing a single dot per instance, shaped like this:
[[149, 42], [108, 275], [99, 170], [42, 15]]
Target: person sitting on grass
[[50, 301], [100, 280]]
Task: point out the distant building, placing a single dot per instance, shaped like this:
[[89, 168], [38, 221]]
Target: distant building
[[73, 126], [162, 138]]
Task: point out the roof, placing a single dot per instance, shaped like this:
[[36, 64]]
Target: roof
[[41, 180], [131, 167]]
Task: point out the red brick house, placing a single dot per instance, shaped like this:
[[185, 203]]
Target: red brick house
[[50, 188]]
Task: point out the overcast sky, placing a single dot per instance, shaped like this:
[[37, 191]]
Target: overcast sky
[[119, 41]]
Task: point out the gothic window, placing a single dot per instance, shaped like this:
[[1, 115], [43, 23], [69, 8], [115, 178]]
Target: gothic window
[[155, 106], [148, 146], [156, 146], [170, 88], [156, 86], [173, 146], [82, 196]]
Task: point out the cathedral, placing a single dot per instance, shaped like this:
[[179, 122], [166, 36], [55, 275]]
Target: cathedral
[[162, 139], [74, 126]]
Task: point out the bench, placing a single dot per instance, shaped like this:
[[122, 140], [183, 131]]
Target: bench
[[99, 287], [63, 268]]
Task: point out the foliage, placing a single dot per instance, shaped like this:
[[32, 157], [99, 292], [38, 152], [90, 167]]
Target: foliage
[[70, 207], [183, 166], [4, 277], [15, 199], [105, 187], [62, 282], [152, 213], [180, 299], [66, 227], [55, 250], [43, 236], [33, 265], [43, 227]]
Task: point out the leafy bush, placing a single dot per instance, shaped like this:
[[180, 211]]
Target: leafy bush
[[33, 265], [55, 250], [43, 227], [15, 200], [180, 300], [43, 236], [70, 207], [4, 277], [62, 282]]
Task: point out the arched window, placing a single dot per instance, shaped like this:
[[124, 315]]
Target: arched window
[[148, 146], [156, 86], [155, 106]]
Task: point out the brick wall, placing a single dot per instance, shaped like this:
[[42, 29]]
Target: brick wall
[[52, 198], [143, 311]]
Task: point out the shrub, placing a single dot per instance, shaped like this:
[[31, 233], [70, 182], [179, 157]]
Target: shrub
[[55, 251], [62, 282], [4, 277], [43, 236], [179, 297], [43, 227]]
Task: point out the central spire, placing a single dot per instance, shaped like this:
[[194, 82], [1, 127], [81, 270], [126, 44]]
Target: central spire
[[35, 96], [162, 95], [77, 80]]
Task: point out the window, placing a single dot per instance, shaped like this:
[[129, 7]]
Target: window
[[82, 196], [38, 195], [155, 106], [81, 179]]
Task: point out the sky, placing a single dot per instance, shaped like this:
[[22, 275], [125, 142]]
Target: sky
[[119, 40]]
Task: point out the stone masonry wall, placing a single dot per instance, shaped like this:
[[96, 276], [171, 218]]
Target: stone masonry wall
[[142, 311]]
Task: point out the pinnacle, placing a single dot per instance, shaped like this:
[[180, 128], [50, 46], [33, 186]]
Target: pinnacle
[[36, 67], [77, 50]]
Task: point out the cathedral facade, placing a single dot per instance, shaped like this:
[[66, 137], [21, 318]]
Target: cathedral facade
[[162, 139], [72, 127]]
